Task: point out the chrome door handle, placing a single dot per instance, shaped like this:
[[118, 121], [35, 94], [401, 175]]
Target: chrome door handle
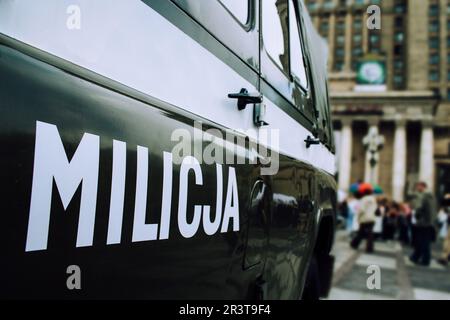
[[310, 141], [244, 98]]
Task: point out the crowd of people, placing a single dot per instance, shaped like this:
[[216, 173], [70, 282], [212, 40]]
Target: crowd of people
[[370, 215]]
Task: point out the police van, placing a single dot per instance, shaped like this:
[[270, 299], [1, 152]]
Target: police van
[[164, 149]]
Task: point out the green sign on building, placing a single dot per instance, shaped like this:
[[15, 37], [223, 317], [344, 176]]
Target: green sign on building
[[371, 72]]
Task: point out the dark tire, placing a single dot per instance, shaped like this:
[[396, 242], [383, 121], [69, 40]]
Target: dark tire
[[312, 284]]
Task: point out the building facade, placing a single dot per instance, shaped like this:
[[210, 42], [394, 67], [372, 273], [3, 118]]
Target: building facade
[[410, 105]]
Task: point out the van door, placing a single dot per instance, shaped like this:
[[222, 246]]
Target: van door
[[239, 31], [128, 79], [286, 86]]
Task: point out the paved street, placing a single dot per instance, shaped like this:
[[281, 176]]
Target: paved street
[[400, 279]]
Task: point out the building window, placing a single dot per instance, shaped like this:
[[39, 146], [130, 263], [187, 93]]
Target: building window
[[433, 76], [329, 4], [340, 52], [398, 80], [357, 38], [399, 36], [400, 7], [338, 66], [434, 59], [324, 27], [312, 5], [399, 22], [340, 25], [374, 38], [398, 64], [434, 26], [357, 52], [434, 42], [398, 50], [433, 10]]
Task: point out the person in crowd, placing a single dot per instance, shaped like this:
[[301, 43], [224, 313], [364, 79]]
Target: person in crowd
[[353, 207], [390, 220], [445, 256], [366, 219], [343, 212], [403, 224], [441, 223], [382, 212], [424, 213], [378, 226], [349, 214]]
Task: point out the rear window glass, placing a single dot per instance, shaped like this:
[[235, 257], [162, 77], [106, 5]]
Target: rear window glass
[[298, 67], [239, 9], [275, 31]]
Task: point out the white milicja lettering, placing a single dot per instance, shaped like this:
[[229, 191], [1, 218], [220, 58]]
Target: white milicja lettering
[[209, 226], [141, 230], [231, 203], [188, 230], [117, 192], [166, 205], [50, 162]]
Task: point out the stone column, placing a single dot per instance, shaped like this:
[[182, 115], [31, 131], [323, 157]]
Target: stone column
[[345, 160], [426, 160], [417, 33], [365, 34], [331, 40], [444, 62], [348, 41], [399, 162]]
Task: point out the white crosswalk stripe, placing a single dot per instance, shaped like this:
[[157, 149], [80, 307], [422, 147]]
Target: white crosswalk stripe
[[382, 262], [433, 265], [425, 294]]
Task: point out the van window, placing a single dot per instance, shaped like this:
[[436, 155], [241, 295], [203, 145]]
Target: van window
[[275, 31], [239, 9], [232, 22], [298, 68]]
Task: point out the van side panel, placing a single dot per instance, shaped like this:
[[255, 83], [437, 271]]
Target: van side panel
[[198, 267]]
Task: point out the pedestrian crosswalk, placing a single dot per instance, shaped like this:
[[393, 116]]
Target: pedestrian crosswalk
[[343, 294], [433, 265], [400, 278], [380, 261]]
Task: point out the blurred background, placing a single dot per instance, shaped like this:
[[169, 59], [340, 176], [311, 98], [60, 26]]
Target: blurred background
[[389, 88]]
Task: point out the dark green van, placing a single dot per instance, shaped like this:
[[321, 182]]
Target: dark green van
[[164, 149]]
